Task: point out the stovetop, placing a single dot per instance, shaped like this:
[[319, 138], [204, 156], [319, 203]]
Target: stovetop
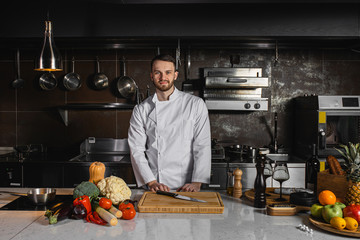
[[23, 203]]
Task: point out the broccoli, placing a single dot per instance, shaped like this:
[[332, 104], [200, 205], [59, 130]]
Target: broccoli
[[86, 188]]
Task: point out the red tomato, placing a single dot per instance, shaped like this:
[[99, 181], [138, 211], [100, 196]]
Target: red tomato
[[128, 213], [105, 203], [352, 211], [125, 204]]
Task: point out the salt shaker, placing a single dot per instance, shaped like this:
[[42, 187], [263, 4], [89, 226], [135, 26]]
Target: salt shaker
[[237, 192], [260, 185]]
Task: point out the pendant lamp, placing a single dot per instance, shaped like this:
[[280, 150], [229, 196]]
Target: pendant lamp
[[49, 58]]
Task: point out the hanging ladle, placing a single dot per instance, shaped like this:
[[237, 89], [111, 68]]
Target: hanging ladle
[[18, 82]]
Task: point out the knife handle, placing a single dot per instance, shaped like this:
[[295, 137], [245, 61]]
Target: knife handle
[[166, 193]]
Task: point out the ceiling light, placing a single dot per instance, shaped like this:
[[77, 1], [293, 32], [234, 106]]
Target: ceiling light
[[49, 58]]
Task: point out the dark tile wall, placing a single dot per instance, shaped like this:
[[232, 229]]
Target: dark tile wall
[[29, 114]]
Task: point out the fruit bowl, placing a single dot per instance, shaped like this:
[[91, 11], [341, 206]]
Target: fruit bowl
[[327, 227]]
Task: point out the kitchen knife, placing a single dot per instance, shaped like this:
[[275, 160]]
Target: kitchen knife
[[175, 195]]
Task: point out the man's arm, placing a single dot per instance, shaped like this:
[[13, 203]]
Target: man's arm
[[201, 147], [137, 143]]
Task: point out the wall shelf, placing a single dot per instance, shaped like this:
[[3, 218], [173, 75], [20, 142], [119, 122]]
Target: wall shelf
[[63, 110]]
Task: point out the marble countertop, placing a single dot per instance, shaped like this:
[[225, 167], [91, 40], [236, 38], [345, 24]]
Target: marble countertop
[[240, 220]]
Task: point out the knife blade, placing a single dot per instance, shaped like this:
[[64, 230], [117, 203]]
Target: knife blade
[[178, 196]]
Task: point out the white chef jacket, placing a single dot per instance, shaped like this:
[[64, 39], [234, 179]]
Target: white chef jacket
[[170, 141]]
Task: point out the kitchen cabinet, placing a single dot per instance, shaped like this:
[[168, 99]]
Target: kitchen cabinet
[[11, 174]]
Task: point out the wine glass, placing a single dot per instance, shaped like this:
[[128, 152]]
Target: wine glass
[[281, 174], [268, 171]]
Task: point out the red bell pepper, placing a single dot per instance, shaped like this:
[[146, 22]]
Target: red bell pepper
[[85, 201]]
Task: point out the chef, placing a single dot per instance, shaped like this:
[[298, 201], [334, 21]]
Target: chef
[[169, 135]]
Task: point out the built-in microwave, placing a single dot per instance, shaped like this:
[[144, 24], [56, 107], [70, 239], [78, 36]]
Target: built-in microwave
[[326, 121]]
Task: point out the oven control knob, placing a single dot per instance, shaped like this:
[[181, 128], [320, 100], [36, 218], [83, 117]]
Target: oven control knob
[[257, 105], [247, 105]]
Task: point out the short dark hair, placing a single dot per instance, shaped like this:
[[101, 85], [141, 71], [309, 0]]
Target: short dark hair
[[163, 57]]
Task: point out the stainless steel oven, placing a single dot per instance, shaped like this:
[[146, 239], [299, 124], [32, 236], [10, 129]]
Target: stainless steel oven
[[326, 121], [235, 89]]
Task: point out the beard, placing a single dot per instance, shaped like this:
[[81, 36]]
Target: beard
[[163, 87]]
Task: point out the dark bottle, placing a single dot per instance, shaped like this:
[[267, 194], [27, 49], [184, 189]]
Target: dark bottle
[[311, 170], [260, 185]]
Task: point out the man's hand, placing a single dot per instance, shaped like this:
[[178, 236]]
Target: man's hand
[[190, 187], [154, 186]]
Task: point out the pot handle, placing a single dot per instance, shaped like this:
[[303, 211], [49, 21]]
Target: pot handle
[[73, 64], [97, 64]]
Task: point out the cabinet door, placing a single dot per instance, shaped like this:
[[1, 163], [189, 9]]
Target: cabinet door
[[10, 175], [217, 179], [43, 174]]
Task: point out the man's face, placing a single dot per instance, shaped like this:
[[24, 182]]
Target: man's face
[[163, 75]]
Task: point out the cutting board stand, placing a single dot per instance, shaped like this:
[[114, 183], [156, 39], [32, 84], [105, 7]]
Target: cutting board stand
[[151, 202]]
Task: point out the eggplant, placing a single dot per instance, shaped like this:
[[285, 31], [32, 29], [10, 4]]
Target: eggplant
[[60, 212], [79, 212]]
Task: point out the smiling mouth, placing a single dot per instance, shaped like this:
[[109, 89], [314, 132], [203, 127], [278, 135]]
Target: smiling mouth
[[163, 82]]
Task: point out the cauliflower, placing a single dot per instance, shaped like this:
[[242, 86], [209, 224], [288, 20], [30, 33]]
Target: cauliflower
[[115, 189]]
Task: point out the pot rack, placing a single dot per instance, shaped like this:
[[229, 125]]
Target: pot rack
[[64, 110]]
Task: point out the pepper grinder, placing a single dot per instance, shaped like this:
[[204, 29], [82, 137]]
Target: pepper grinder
[[260, 185], [237, 192]]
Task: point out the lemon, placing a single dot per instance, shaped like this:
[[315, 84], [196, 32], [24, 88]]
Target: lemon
[[351, 223], [338, 223]]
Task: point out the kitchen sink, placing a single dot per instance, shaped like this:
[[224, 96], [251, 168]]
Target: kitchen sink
[[278, 157]]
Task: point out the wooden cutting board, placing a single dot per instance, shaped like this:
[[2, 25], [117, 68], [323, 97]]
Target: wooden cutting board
[[151, 202]]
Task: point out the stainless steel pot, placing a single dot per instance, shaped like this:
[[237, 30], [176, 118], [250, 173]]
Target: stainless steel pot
[[100, 80], [126, 86], [47, 81], [72, 80], [41, 196]]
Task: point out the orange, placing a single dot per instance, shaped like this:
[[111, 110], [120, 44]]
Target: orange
[[327, 197]]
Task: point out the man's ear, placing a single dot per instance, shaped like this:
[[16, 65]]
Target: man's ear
[[176, 74]]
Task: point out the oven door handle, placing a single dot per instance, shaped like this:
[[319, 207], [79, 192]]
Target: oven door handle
[[236, 80]]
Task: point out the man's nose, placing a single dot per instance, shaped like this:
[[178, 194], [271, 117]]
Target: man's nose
[[162, 77]]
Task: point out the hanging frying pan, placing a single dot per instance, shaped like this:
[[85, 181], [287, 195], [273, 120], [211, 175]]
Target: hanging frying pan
[[100, 80], [126, 86], [72, 80], [47, 81]]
